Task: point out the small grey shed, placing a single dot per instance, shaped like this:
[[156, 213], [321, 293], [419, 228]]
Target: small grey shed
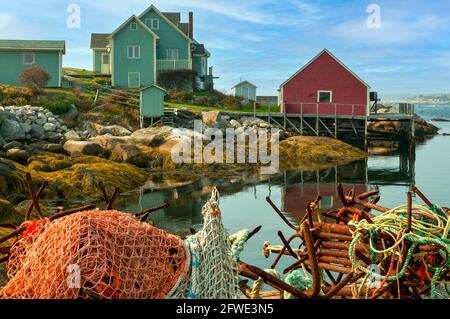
[[246, 90]]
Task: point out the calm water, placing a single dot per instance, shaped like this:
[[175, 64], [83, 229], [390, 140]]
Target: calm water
[[243, 201]]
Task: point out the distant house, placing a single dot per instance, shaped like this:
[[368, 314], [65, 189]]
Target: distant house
[[325, 86], [246, 90], [19, 55], [147, 44]]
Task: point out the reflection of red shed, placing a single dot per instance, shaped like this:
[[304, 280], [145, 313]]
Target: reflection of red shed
[[325, 86], [296, 197]]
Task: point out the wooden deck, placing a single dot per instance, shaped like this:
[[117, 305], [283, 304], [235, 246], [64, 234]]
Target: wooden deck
[[310, 121]]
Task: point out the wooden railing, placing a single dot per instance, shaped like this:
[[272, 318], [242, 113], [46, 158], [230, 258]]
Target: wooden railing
[[328, 109], [172, 64]]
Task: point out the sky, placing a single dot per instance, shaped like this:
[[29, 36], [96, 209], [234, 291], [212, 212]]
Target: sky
[[396, 46]]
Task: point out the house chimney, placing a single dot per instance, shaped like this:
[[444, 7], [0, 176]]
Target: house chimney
[[191, 25]]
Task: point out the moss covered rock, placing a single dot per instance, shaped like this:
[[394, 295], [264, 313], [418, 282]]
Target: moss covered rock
[[310, 152]]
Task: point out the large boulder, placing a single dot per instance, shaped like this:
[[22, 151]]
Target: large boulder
[[153, 136], [72, 135], [78, 148], [54, 148], [115, 130], [11, 145], [130, 154], [72, 114], [11, 130], [215, 119], [36, 131], [6, 167], [50, 127], [18, 155], [109, 142]]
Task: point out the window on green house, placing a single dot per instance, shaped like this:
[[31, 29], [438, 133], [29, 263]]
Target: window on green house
[[105, 58], [29, 58], [134, 52], [325, 97], [172, 54], [133, 26], [152, 23]]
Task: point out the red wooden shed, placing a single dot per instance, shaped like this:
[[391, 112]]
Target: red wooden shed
[[325, 87]]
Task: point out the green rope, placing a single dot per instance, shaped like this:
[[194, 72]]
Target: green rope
[[430, 226]]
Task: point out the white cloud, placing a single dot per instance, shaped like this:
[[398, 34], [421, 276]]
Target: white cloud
[[12, 27], [252, 37], [394, 30]]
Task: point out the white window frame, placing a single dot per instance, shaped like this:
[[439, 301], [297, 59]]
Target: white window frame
[[29, 53], [172, 50], [133, 26], [103, 59], [134, 57], [152, 25], [139, 76], [324, 91], [204, 63]]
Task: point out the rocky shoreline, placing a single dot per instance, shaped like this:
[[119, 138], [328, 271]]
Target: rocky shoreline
[[74, 159]]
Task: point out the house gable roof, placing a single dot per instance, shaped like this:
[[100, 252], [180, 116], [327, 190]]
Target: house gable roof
[[99, 40], [44, 45], [244, 82], [199, 49], [139, 22], [153, 86], [325, 51], [154, 9], [175, 17]]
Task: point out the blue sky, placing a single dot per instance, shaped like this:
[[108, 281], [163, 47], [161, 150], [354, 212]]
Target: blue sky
[[266, 41]]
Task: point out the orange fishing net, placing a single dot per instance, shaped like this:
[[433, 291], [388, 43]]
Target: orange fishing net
[[95, 254]]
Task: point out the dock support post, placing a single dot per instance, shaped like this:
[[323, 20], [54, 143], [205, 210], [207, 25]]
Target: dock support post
[[317, 119], [301, 124]]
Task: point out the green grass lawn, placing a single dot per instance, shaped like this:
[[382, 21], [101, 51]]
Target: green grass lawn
[[263, 109], [70, 71]]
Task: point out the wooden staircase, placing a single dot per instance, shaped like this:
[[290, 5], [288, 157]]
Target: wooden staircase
[[168, 117]]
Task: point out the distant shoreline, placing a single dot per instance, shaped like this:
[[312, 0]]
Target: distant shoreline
[[415, 102]]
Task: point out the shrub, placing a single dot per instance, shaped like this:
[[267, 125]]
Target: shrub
[[11, 96], [34, 78], [76, 91], [201, 100], [102, 81], [177, 80], [57, 106], [232, 102], [180, 96], [84, 103]]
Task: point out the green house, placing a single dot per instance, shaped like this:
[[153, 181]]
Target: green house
[[19, 55], [152, 101], [147, 44]]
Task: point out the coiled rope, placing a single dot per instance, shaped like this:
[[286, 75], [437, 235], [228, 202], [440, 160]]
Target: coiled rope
[[429, 226]]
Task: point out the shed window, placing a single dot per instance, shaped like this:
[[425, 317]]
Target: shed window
[[133, 26], [172, 54], [134, 52], [29, 58], [325, 97], [152, 23]]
